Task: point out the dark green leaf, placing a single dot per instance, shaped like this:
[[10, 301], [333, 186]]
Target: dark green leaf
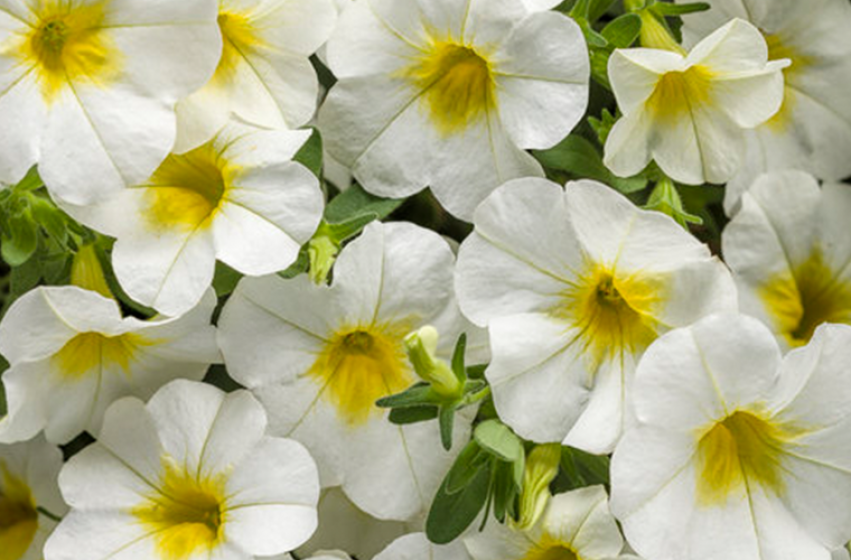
[[218, 376], [300, 266], [623, 31], [447, 423], [598, 8], [499, 440], [416, 395], [355, 201], [466, 466], [579, 157], [4, 365], [30, 182], [504, 491], [225, 280], [343, 231], [412, 415], [667, 9], [584, 469], [458, 358], [451, 514], [310, 155]]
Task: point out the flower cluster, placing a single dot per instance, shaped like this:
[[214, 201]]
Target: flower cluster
[[425, 280]]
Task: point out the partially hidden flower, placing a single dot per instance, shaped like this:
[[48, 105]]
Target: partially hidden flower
[[264, 75], [688, 112], [812, 130], [449, 94], [789, 248], [576, 525], [320, 356], [190, 475], [72, 354], [30, 501], [88, 87], [416, 546], [738, 453], [239, 198], [574, 284]]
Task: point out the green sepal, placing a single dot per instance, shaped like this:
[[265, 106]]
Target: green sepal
[[412, 415], [446, 419], [580, 158], [310, 154], [498, 439], [623, 31], [668, 9], [416, 395]]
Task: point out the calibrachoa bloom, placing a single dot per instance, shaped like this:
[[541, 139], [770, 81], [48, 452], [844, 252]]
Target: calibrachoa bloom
[[449, 93], [88, 87], [812, 131], [574, 285], [576, 525], [238, 198], [190, 475], [688, 112], [789, 249], [738, 454], [264, 74], [417, 547], [29, 498], [72, 354], [319, 357]]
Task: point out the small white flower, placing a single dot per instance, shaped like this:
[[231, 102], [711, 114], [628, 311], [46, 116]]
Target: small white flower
[[88, 87], [789, 248], [688, 112], [449, 94], [264, 74], [319, 357], [190, 475], [29, 497], [238, 198], [576, 525], [812, 131], [574, 285], [72, 354], [417, 547], [738, 454]]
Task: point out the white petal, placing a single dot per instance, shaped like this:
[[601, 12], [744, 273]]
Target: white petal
[[23, 113], [417, 547], [634, 74], [627, 150], [735, 48], [582, 518]]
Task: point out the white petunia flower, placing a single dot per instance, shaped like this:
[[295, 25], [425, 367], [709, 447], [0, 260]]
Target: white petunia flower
[[238, 198], [319, 357], [738, 453], [88, 87], [576, 525], [72, 354], [812, 131], [190, 475], [417, 547], [448, 94], [264, 74], [29, 498], [574, 285], [688, 112], [789, 248]]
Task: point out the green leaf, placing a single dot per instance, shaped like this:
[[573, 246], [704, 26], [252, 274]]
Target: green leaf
[[499, 440], [603, 126], [504, 491], [447, 423], [580, 158], [583, 469], [600, 66], [22, 241], [343, 231], [218, 376], [355, 201], [598, 8], [467, 465], [310, 155], [458, 359], [622, 32], [416, 395], [31, 181], [225, 280], [300, 266], [666, 9], [451, 514], [412, 415]]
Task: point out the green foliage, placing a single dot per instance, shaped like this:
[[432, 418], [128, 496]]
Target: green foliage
[[666, 199], [580, 469], [311, 155]]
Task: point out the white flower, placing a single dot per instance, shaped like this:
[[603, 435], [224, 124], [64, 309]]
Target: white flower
[[190, 475], [417, 547], [264, 74], [88, 87], [238, 198], [812, 131], [449, 94], [738, 454], [72, 355], [574, 285], [319, 357], [689, 112], [29, 497], [789, 249], [577, 524]]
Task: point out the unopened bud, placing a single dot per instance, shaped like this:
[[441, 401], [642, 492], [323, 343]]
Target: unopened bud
[[421, 347], [322, 251], [541, 469]]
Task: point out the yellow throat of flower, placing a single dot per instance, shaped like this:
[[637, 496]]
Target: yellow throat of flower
[[69, 44], [743, 449], [90, 353], [240, 39], [810, 296], [360, 365], [612, 314], [456, 84], [549, 548], [678, 94], [187, 513], [18, 516], [778, 49]]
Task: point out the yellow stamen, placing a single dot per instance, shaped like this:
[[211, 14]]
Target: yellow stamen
[[91, 352], [360, 365], [18, 516]]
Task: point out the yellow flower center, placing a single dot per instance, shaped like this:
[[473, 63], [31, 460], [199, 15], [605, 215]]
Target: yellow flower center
[[737, 452], [18, 516], [239, 39], [69, 44], [186, 190], [360, 365], [611, 314], [186, 513], [678, 94], [778, 49], [91, 352], [810, 296], [551, 549], [457, 85]]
